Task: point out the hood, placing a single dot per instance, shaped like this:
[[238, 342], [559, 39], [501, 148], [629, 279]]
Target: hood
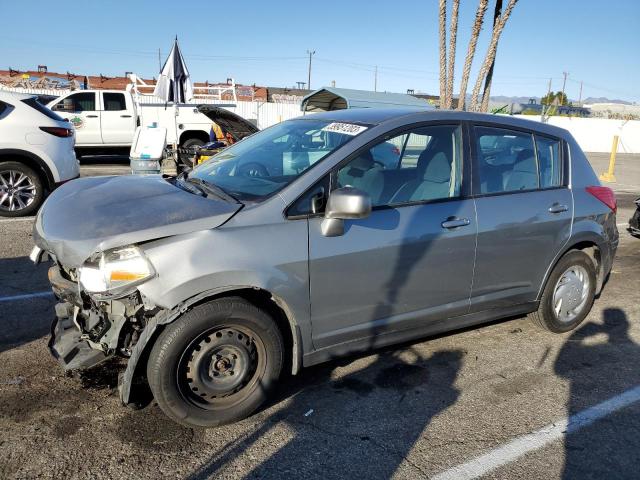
[[229, 122], [98, 213]]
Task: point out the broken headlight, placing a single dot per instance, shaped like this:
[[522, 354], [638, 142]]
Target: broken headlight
[[115, 273]]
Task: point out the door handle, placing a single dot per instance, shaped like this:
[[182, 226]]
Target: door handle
[[125, 116], [92, 116], [455, 222], [557, 208]]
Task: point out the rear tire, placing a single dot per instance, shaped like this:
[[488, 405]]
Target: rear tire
[[21, 190], [572, 283], [187, 158], [216, 364]]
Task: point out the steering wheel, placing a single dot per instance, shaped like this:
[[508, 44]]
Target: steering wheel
[[253, 169]]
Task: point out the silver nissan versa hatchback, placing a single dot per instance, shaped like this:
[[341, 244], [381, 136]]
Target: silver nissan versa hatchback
[[318, 237]]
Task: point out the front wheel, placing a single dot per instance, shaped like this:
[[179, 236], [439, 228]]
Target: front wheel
[[568, 294], [215, 364]]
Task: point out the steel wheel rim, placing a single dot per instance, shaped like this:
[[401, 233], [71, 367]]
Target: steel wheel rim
[[571, 293], [17, 191], [209, 376]]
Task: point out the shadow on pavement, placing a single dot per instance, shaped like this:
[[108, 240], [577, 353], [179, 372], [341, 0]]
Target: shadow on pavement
[[346, 424], [601, 361], [23, 320]]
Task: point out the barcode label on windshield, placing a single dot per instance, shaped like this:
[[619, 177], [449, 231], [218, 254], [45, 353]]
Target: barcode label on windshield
[[345, 128]]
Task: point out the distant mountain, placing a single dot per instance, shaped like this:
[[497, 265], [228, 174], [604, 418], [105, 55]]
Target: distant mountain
[[508, 100], [605, 100]]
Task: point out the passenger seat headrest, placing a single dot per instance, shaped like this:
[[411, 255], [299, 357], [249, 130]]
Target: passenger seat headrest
[[438, 170]]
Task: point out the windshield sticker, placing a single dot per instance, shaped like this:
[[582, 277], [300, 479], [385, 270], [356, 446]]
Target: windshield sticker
[[345, 128]]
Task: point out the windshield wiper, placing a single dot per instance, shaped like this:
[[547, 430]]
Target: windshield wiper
[[212, 188], [191, 187]]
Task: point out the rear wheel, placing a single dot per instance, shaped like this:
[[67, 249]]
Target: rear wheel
[[21, 190], [187, 151], [216, 363], [568, 294]]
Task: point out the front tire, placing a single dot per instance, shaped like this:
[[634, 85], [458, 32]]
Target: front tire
[[568, 295], [216, 364], [21, 190]]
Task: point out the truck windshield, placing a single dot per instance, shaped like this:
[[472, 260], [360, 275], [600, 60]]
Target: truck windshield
[[267, 161]]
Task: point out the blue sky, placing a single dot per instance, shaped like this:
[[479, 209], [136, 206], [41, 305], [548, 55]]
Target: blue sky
[[266, 42]]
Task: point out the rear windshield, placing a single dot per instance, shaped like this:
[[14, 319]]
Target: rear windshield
[[33, 103]]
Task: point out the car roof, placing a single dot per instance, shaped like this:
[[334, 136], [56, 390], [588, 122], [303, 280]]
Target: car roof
[[377, 116]]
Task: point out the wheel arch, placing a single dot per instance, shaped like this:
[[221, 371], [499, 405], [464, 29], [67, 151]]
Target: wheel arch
[[131, 389], [189, 134], [587, 242], [31, 160]]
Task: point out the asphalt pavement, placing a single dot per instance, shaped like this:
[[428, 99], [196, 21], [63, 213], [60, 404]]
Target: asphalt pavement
[[505, 400]]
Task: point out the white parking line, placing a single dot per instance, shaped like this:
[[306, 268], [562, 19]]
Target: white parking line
[[520, 446], [26, 296], [17, 219]]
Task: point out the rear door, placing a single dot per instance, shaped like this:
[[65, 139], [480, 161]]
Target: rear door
[[524, 209], [81, 109], [118, 122]]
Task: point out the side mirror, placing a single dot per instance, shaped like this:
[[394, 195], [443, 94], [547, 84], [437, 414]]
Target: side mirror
[[344, 203]]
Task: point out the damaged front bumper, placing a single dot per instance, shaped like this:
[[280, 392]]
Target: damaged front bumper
[[66, 343], [87, 331]]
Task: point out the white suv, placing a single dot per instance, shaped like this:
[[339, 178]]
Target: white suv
[[36, 153]]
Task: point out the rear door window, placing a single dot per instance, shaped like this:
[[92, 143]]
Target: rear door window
[[505, 160], [35, 104], [114, 102], [549, 164]]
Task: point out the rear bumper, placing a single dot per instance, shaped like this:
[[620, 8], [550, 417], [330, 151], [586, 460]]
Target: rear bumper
[[66, 344]]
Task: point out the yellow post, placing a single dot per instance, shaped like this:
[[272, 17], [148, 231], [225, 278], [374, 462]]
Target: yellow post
[[608, 175]]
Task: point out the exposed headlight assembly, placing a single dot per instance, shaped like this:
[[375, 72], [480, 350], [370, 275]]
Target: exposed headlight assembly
[[115, 273]]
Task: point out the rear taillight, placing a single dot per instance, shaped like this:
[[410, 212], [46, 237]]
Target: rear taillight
[[605, 195], [58, 131]]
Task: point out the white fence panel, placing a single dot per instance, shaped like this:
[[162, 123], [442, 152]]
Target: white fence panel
[[596, 134], [37, 91], [265, 114]]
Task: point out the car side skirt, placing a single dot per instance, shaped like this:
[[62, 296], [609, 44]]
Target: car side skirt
[[432, 328]]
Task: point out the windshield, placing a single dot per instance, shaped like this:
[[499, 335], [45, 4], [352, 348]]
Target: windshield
[[267, 161]]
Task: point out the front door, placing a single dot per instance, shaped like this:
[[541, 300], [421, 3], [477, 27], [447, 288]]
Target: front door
[[118, 123], [411, 261], [81, 110], [524, 210]]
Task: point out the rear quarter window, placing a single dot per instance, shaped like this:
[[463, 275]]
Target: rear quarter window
[[33, 103]]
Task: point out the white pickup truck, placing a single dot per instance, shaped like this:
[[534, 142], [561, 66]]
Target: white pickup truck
[[106, 120]]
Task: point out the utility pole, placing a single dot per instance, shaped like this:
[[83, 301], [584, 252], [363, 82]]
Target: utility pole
[[580, 96], [563, 85], [548, 105], [375, 80], [311, 54], [159, 62]]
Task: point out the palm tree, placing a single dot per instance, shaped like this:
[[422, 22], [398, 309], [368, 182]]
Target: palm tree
[[471, 51], [487, 82], [453, 32], [491, 54], [443, 53]]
